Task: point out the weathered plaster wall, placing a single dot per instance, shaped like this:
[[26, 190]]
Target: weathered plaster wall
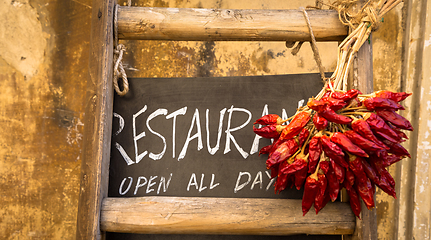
[[44, 46], [387, 55], [43, 66]]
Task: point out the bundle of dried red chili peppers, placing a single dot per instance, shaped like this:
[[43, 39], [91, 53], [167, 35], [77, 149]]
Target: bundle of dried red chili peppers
[[341, 139]]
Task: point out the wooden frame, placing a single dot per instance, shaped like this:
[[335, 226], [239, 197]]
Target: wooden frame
[[97, 213]]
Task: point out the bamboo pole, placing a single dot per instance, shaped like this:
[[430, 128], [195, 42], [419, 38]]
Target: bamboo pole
[[196, 24]]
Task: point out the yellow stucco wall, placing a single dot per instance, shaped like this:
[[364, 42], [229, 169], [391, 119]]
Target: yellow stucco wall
[[44, 50]]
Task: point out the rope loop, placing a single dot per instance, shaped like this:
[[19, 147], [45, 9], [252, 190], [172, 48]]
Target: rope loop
[[119, 71]]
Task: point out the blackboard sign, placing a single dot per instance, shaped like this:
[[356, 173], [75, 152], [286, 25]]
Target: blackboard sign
[[193, 137]]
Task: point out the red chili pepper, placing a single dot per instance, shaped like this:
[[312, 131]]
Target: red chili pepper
[[295, 126], [310, 191], [373, 176], [346, 96], [299, 164], [395, 119], [265, 150], [347, 145], [280, 183], [386, 187], [275, 144], [333, 184], [394, 96], [319, 200], [383, 136], [333, 151], [399, 132], [283, 180], [378, 125], [325, 165], [300, 177], [397, 149], [274, 170], [317, 105], [284, 151], [350, 178], [391, 159], [269, 131], [314, 151], [377, 164], [355, 164], [369, 171], [374, 103], [332, 116], [355, 204], [303, 135], [334, 104], [319, 122], [366, 191], [361, 126], [362, 142], [338, 170], [381, 156], [269, 119]]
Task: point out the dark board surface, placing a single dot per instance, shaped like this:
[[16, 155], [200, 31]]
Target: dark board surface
[[179, 162], [193, 137]]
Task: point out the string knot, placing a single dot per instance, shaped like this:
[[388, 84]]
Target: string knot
[[119, 71], [370, 15]]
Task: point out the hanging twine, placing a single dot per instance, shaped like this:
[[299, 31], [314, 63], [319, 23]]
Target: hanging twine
[[314, 45], [119, 49], [371, 12]]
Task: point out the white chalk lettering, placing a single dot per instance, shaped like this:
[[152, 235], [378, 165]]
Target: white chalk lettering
[[257, 180], [270, 182], [122, 184], [139, 184], [284, 116], [124, 154], [181, 111], [151, 184], [120, 122], [138, 157], [255, 144], [202, 181], [241, 186], [212, 185], [230, 137], [212, 151], [198, 135], [164, 184], [156, 113], [192, 181], [301, 103]]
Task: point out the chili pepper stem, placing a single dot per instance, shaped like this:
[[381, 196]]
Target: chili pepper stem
[[354, 108], [293, 157], [353, 113], [283, 121], [354, 118], [307, 141], [367, 95]]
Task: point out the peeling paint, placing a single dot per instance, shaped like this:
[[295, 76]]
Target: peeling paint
[[22, 41]]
